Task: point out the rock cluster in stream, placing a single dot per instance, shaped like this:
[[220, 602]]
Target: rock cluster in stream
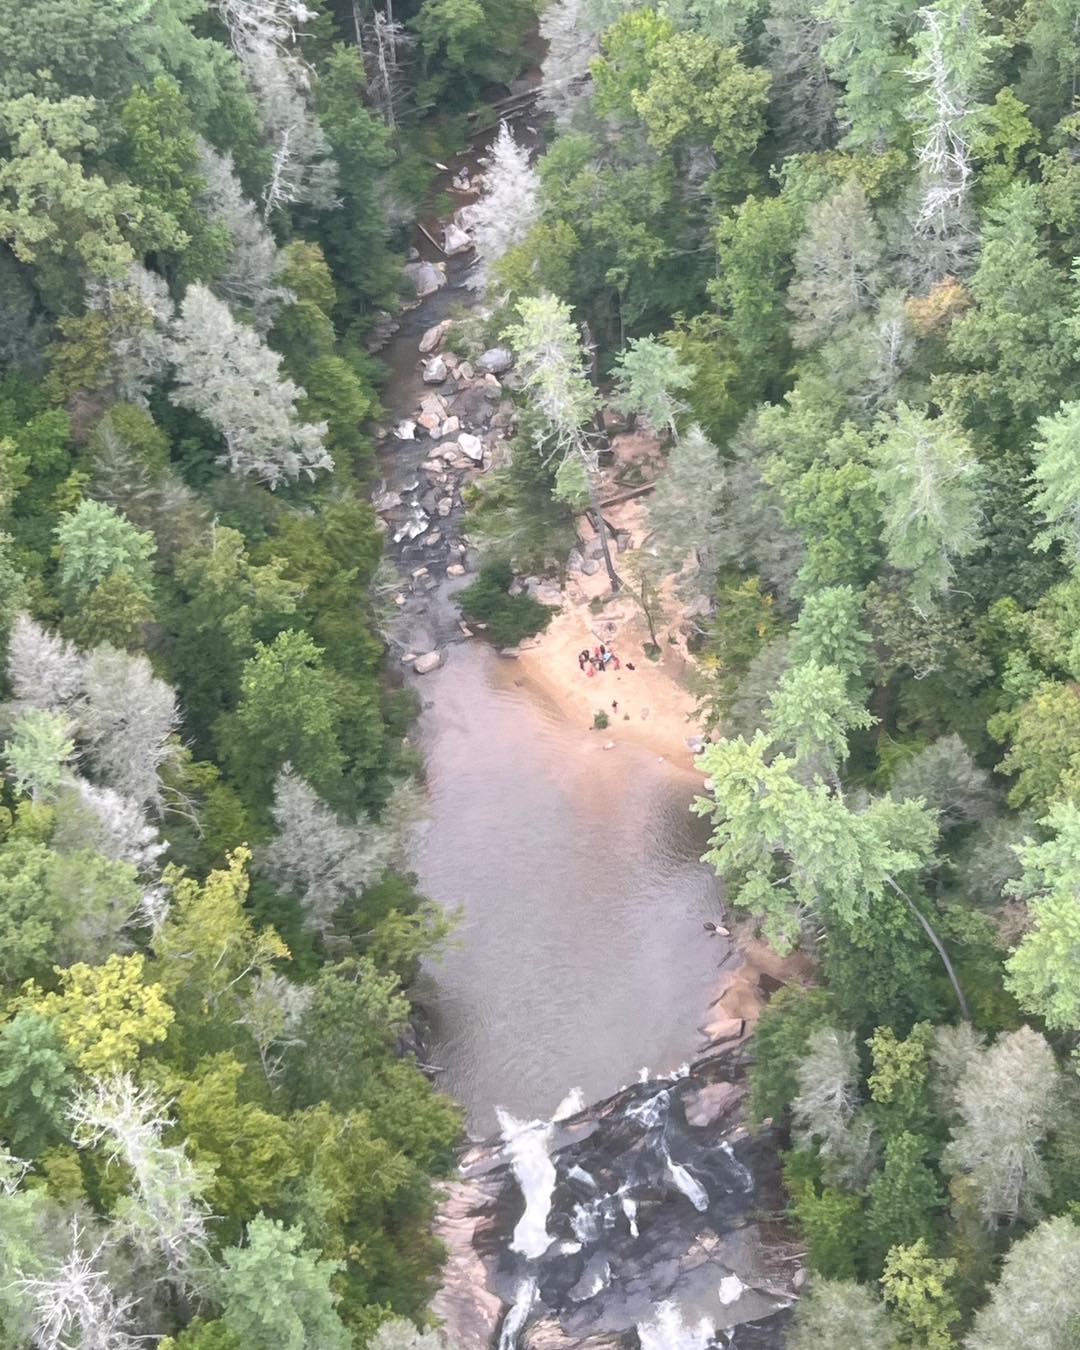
[[648, 1210], [466, 418]]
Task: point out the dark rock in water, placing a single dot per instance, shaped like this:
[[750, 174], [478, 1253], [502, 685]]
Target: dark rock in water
[[382, 330], [643, 1207]]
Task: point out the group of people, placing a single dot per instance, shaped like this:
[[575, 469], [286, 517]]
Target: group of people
[[598, 660]]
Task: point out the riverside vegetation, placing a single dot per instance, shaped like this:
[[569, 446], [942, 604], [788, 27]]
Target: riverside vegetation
[[827, 251], [209, 1135]]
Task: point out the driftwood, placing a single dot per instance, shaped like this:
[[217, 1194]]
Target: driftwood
[[431, 239], [511, 102], [628, 495]]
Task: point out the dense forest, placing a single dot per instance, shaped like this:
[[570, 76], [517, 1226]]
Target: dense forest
[[210, 1137], [826, 251]]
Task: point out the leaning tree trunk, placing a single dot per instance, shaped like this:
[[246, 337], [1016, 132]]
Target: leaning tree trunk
[[602, 534], [938, 946]]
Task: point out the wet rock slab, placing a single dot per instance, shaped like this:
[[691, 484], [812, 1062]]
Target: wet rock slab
[[656, 1199]]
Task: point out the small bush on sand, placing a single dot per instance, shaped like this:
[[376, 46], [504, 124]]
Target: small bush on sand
[[509, 618]]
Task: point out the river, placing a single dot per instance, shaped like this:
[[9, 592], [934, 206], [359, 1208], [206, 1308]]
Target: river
[[580, 961], [581, 957]]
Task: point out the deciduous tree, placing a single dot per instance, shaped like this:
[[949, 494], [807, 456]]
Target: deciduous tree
[[843, 1315], [276, 1292], [316, 856], [1037, 1290], [837, 265]]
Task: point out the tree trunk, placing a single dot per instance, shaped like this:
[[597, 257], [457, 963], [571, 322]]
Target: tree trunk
[[602, 534], [393, 39], [647, 609], [965, 1011]]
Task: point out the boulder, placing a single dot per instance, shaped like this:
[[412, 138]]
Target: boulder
[[435, 371], [455, 570], [423, 665], [434, 404], [426, 277], [495, 360], [421, 642], [614, 421], [386, 501], [406, 431], [472, 407], [444, 506], [590, 567], [724, 1029], [429, 421], [471, 446], [574, 561], [455, 240], [432, 337], [465, 371], [451, 426], [706, 1105]]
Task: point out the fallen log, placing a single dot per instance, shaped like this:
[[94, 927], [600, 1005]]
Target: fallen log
[[628, 495]]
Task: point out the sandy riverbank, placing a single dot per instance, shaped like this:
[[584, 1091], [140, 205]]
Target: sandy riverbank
[[655, 709]]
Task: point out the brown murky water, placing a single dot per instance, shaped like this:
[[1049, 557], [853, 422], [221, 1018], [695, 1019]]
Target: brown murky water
[[581, 956]]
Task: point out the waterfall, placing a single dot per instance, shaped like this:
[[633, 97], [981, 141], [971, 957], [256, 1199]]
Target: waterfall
[[571, 1104], [669, 1332], [518, 1314], [653, 1111], [694, 1191], [527, 1144], [585, 1221], [741, 1171]]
